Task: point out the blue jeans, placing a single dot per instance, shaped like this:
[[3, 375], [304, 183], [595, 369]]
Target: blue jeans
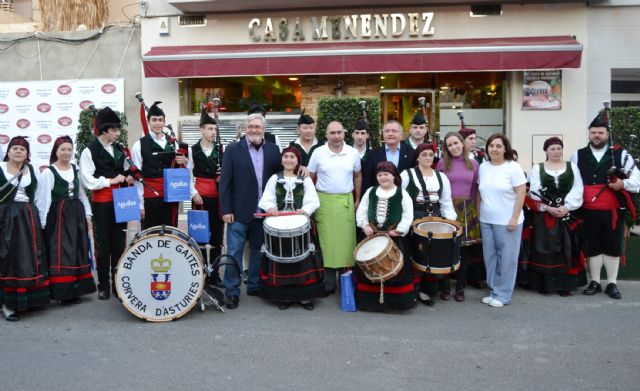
[[501, 248], [237, 234]]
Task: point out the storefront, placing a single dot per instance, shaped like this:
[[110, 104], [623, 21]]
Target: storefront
[[287, 61]]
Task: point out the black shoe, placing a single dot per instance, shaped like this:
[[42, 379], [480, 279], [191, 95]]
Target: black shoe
[[426, 300], [328, 293], [593, 288], [612, 291], [284, 305], [103, 295], [307, 305], [13, 317], [245, 277], [232, 302]]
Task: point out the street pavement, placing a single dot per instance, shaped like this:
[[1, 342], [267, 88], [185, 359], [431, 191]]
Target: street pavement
[[540, 342]]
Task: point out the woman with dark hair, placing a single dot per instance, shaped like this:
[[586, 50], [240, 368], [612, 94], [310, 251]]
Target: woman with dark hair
[[65, 215], [430, 193], [462, 172], [556, 190], [287, 283], [24, 278], [501, 183], [386, 208]]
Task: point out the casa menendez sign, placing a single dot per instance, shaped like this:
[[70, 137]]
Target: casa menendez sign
[[376, 26]]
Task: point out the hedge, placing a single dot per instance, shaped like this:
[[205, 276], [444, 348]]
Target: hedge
[[347, 110]]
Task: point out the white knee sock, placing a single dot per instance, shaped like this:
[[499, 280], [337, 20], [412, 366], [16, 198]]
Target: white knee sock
[[595, 264], [7, 311], [611, 265]]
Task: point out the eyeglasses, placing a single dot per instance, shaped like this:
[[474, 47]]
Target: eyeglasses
[[255, 126]]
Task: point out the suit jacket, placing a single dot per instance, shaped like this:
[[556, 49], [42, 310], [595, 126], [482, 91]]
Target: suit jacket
[[378, 155], [238, 190]]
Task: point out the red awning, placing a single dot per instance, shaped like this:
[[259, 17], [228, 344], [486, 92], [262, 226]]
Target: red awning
[[485, 54]]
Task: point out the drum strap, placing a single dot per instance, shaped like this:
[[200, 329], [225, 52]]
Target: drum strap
[[423, 185]]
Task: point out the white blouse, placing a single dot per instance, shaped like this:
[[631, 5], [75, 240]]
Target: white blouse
[[362, 214], [45, 186], [432, 184], [25, 181], [310, 202], [573, 199]]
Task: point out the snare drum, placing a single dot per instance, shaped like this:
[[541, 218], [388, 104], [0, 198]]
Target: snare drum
[[287, 239], [436, 245], [160, 276], [378, 257]]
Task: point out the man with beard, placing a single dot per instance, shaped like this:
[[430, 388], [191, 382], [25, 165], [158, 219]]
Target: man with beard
[[605, 204], [246, 167]]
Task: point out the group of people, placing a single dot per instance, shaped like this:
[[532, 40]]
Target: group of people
[[538, 236]]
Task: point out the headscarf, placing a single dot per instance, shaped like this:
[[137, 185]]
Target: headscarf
[[54, 151], [391, 169], [423, 147], [552, 141], [18, 140], [294, 151]]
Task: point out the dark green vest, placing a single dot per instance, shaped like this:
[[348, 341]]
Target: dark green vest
[[9, 193], [281, 192], [60, 189], [394, 210], [565, 180]]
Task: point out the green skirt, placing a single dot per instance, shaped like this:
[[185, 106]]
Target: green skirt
[[336, 222], [468, 217]]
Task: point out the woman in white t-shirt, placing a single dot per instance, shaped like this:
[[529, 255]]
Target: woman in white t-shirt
[[502, 190]]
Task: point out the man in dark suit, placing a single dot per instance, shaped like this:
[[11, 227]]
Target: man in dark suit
[[400, 154], [246, 167]]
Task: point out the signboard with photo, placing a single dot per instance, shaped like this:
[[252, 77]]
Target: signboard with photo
[[542, 90], [45, 110]]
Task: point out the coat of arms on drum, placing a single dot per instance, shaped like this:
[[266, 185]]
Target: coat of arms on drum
[[160, 290]]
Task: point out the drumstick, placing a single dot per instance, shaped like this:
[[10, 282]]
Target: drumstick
[[271, 214]]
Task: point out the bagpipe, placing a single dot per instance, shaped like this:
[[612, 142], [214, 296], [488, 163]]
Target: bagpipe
[[363, 108], [183, 148], [554, 198], [617, 173], [432, 135], [214, 106], [479, 152]]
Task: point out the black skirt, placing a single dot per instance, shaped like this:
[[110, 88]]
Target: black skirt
[[285, 282], [67, 245], [24, 276]]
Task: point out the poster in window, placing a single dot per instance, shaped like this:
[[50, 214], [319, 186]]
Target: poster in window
[[542, 90]]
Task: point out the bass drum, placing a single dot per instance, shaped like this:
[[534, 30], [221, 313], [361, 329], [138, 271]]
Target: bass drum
[[160, 276]]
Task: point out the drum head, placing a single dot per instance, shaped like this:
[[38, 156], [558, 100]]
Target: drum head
[[371, 248], [437, 227], [160, 277], [286, 222]]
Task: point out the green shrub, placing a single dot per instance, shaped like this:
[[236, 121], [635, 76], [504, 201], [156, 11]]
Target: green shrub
[[625, 121], [347, 110]]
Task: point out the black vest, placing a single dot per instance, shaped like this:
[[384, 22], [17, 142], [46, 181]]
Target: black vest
[[106, 165], [152, 166], [204, 166], [593, 172]]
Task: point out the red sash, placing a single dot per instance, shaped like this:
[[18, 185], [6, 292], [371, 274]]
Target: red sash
[[207, 187], [157, 184], [105, 194], [607, 200]]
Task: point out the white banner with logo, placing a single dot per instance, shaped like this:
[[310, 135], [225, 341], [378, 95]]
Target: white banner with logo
[[45, 110]]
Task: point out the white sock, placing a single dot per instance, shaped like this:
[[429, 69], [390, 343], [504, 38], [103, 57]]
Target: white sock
[[595, 264], [611, 265], [7, 311]]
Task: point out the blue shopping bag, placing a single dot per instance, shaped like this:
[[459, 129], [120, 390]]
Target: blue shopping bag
[[125, 204], [346, 290], [176, 184], [198, 222]]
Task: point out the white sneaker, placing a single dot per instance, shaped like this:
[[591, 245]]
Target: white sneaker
[[487, 300], [495, 303]]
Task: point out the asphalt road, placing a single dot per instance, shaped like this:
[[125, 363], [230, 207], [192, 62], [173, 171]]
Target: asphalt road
[[537, 343]]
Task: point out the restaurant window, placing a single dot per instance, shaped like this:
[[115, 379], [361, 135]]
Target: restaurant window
[[625, 87], [278, 94]]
